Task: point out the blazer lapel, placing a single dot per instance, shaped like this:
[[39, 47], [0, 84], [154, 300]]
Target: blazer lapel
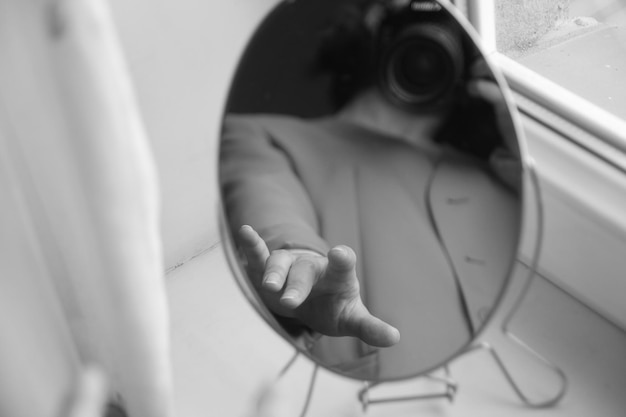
[[478, 220]]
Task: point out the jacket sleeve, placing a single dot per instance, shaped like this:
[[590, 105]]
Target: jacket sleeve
[[260, 187]]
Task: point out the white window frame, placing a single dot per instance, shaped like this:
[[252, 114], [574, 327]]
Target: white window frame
[[579, 151]]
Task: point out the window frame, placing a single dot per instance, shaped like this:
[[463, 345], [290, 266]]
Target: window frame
[[579, 152]]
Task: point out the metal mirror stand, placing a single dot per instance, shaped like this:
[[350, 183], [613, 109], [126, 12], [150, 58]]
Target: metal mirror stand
[[450, 387]]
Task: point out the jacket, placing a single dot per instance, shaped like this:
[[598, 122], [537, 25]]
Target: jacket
[[435, 233]]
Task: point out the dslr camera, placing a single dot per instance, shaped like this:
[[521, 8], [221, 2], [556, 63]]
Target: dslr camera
[[420, 54]]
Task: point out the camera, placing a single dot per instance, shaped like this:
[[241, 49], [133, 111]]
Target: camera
[[420, 54]]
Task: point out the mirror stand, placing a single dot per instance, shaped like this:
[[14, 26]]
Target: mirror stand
[[450, 386], [550, 402], [505, 327], [309, 394], [449, 392]]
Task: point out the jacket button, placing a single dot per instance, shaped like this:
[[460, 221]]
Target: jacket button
[[455, 201]]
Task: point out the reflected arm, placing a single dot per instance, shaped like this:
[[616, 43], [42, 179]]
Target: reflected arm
[[260, 187]]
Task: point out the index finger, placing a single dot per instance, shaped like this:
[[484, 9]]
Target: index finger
[[254, 247]]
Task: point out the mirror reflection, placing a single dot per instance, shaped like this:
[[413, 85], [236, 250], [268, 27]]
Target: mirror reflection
[[371, 182]]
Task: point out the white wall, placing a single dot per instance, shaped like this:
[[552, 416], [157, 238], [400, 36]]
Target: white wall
[[181, 55]]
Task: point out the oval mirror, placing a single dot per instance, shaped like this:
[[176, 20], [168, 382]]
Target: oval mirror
[[370, 178]]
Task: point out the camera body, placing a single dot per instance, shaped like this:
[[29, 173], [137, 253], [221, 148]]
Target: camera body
[[420, 55]]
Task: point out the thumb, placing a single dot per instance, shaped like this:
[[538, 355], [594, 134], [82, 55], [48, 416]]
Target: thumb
[[371, 329], [359, 322]]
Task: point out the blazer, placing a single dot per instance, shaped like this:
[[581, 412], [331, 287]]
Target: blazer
[[435, 233]]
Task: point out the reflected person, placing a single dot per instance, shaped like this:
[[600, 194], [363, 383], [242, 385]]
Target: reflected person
[[303, 197]]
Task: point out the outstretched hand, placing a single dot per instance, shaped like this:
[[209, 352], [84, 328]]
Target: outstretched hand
[[320, 291]]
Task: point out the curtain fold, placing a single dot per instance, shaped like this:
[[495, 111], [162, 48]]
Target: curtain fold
[[79, 153]]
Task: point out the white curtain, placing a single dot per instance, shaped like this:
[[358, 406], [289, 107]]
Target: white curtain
[[81, 275]]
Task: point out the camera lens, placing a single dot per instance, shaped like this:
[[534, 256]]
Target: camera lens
[[423, 65], [421, 68]]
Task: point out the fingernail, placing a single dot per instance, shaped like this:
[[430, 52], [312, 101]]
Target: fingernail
[[272, 281], [340, 250], [396, 334], [290, 297]]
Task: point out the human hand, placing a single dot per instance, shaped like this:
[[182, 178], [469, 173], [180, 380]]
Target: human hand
[[507, 168], [320, 291], [505, 161], [482, 85]]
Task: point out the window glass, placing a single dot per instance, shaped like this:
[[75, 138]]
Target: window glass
[[579, 44]]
